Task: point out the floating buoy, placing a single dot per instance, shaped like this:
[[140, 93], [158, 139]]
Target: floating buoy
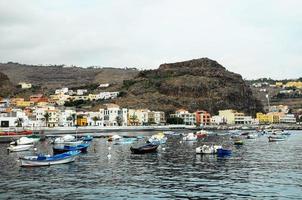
[[35, 149], [164, 148], [109, 156], [180, 142], [109, 148]]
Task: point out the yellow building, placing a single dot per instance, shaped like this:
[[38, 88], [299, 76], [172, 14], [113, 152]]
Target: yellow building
[[269, 118], [82, 121], [296, 84], [24, 103], [278, 84], [92, 97]]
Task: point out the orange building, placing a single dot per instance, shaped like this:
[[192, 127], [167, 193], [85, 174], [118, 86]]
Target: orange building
[[202, 117], [38, 98]]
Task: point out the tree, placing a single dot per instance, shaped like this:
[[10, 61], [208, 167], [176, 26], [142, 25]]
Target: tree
[[19, 122], [119, 121], [74, 118], [46, 116], [95, 119], [175, 120]]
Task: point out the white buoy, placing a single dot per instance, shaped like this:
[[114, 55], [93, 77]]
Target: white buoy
[[109, 156], [35, 149], [163, 148], [109, 148], [180, 142]]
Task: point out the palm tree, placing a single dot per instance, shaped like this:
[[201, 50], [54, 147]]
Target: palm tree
[[19, 122], [74, 118], [95, 119], [46, 116]]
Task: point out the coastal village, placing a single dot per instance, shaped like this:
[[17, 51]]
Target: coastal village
[[51, 111]]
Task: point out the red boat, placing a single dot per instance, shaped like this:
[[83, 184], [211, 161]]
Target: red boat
[[25, 132], [201, 134]]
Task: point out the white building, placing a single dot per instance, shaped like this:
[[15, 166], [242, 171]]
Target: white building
[[112, 115], [15, 118], [24, 85], [81, 91], [61, 91], [67, 118], [189, 118], [217, 120], [107, 95], [104, 85], [288, 118]]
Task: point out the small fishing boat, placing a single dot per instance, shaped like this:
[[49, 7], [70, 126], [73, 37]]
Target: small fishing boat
[[201, 134], [87, 138], [224, 152], [190, 137], [66, 148], [252, 136], [64, 139], [158, 138], [13, 148], [25, 140], [46, 160], [125, 141], [238, 142], [205, 149], [276, 138], [148, 148], [113, 138]]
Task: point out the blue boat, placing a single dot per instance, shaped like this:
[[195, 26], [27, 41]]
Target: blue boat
[[62, 149], [87, 138], [224, 152], [46, 160], [125, 141]]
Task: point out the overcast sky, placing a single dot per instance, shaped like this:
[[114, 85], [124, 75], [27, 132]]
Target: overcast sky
[[256, 38]]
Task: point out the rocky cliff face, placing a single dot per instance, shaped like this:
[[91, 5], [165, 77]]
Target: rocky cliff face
[[6, 87], [194, 84]]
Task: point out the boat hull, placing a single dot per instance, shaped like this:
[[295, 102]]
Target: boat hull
[[19, 148], [143, 150], [35, 163]]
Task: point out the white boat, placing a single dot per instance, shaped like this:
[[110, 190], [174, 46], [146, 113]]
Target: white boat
[[64, 139], [276, 138], [114, 138], [158, 138], [46, 160], [190, 137], [25, 140], [16, 148], [205, 149]]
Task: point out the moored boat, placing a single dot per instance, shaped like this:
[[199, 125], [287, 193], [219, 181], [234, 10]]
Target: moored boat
[[87, 138], [238, 142], [46, 160], [201, 134], [13, 148], [276, 138], [114, 138], [190, 137], [25, 140], [148, 148], [66, 148], [205, 149], [158, 138], [224, 152]]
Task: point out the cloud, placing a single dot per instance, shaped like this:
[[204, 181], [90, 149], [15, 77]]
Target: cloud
[[253, 38]]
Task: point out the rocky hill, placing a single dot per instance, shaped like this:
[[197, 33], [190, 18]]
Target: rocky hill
[[6, 87], [56, 76], [194, 84]]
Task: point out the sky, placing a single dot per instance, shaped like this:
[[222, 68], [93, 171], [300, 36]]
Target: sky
[[254, 38]]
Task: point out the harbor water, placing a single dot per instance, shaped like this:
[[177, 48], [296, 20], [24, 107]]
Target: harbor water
[[256, 170]]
